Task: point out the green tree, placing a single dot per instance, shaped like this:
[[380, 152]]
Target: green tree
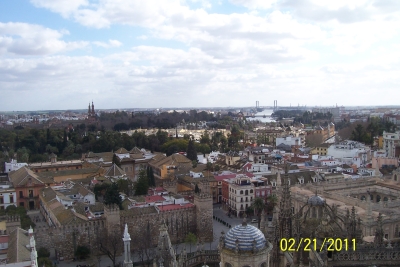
[[142, 185], [150, 176], [112, 195], [258, 206], [46, 262], [272, 201], [190, 239], [124, 186], [359, 134], [100, 190], [82, 252], [194, 163], [191, 152], [209, 166], [115, 160], [23, 154], [43, 252], [26, 221]]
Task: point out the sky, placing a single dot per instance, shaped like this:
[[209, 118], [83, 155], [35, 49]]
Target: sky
[[198, 53]]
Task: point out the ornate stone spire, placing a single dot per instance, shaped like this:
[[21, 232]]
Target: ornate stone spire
[[32, 244], [127, 248], [285, 209], [379, 231], [165, 250]]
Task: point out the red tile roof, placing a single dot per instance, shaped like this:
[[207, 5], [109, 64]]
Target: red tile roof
[[3, 239], [155, 198], [175, 207]]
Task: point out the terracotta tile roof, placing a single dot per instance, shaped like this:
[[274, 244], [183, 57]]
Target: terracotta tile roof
[[137, 156], [17, 246], [156, 198], [66, 216], [82, 190], [22, 176], [71, 172], [106, 156], [121, 151], [171, 160], [98, 206], [48, 194], [114, 171], [175, 207], [135, 150]]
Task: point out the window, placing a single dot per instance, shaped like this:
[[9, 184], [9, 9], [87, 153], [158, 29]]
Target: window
[[21, 204], [30, 193], [21, 194], [1, 200], [11, 199]]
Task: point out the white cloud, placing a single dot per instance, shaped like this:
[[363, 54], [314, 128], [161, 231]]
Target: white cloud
[[31, 39], [111, 43], [64, 7], [300, 51], [254, 4]]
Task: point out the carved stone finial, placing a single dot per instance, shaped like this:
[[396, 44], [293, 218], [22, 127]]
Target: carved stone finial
[[244, 223]]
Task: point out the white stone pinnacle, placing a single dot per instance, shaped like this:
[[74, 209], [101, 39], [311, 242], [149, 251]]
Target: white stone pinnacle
[[127, 236]]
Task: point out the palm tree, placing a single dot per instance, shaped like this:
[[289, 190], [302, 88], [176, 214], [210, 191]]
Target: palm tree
[[272, 200], [258, 206]]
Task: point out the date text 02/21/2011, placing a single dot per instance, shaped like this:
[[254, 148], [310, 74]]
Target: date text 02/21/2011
[[308, 244]]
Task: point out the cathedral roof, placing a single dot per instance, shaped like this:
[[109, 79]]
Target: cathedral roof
[[247, 236]]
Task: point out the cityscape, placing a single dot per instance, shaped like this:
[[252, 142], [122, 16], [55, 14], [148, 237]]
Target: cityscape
[[198, 133]]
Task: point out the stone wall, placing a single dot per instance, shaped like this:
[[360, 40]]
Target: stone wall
[[66, 239]]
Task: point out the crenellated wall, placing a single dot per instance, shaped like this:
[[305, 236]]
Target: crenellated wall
[[140, 221]]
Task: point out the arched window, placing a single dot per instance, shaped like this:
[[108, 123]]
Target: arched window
[[264, 264], [241, 192], [246, 192], [362, 197], [378, 198], [372, 197], [251, 191], [227, 264], [385, 199]]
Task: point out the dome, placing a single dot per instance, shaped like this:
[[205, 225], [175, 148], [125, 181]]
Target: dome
[[316, 201], [247, 236]]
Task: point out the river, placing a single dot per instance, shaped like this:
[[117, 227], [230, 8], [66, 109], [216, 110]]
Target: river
[[266, 112]]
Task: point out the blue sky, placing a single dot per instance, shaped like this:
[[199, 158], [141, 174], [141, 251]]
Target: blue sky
[[187, 53]]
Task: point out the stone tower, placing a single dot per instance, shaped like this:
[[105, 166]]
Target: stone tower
[[111, 212], [204, 215]]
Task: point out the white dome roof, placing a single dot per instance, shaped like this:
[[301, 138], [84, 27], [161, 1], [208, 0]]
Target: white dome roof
[[247, 236]]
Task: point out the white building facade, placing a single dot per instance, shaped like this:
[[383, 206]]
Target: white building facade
[[13, 166], [390, 141]]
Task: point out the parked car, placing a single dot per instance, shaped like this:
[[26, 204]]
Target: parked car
[[254, 220]]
